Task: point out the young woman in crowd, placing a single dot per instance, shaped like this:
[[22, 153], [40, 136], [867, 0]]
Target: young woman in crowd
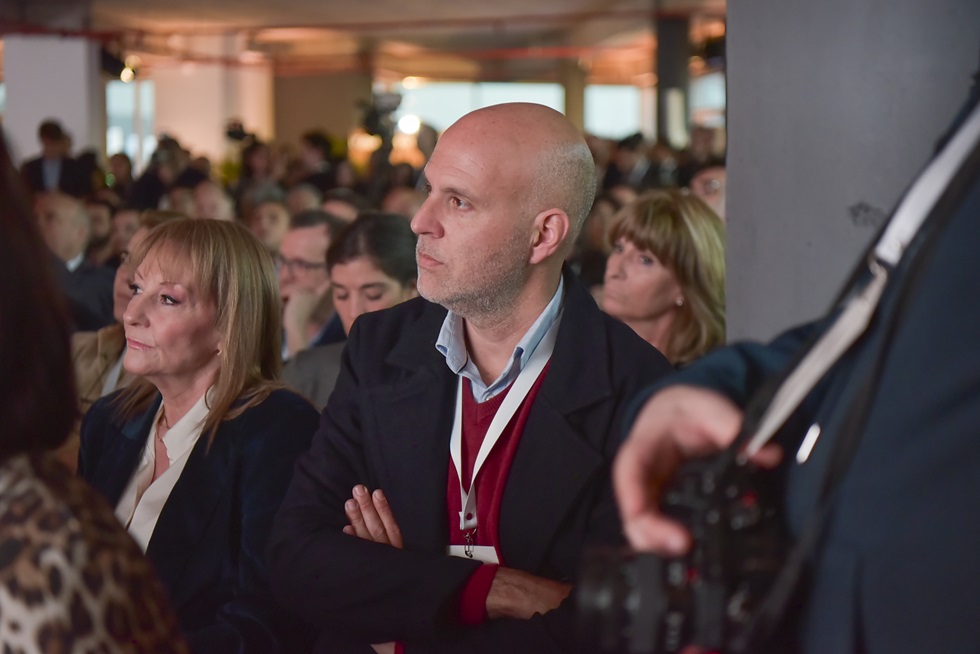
[[665, 276], [196, 453], [372, 266]]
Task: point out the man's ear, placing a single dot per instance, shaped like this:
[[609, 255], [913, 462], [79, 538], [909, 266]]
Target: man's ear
[[551, 229]]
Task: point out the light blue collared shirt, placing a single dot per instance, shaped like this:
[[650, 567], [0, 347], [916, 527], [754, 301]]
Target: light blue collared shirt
[[452, 345], [50, 173]]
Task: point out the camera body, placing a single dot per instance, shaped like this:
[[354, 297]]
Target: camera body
[[646, 604]]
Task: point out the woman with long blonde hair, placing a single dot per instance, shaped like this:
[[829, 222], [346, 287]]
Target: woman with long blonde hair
[[195, 454]]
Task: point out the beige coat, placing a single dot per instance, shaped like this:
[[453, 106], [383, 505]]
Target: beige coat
[[94, 354]]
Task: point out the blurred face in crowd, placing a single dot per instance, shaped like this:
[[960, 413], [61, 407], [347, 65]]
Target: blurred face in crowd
[[122, 284], [709, 185], [270, 222], [213, 203], [120, 167], [595, 225], [260, 161], [302, 198], [302, 259], [359, 286], [181, 200], [638, 287], [64, 225], [100, 217], [343, 210], [54, 148], [311, 156], [124, 226], [171, 336]]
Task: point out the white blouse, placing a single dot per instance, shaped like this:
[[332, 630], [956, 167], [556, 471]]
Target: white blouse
[[143, 500]]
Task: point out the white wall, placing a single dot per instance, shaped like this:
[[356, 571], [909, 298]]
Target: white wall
[[832, 108], [52, 77], [195, 100]]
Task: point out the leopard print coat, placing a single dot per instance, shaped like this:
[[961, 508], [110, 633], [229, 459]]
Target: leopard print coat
[[71, 579]]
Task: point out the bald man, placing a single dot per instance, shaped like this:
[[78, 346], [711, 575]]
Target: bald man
[[463, 460], [66, 228]]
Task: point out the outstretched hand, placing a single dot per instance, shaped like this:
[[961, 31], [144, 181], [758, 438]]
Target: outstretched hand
[[676, 424]]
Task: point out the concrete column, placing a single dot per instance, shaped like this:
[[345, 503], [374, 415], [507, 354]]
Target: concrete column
[[673, 79], [833, 107], [196, 99], [573, 82], [53, 77]]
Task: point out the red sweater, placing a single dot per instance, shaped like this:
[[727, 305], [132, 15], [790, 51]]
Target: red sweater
[[489, 486], [490, 483]]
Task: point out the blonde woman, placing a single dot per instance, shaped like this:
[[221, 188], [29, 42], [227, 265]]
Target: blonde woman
[[196, 453], [665, 276]]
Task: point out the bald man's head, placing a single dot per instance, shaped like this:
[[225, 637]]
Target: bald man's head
[[547, 155], [509, 187]]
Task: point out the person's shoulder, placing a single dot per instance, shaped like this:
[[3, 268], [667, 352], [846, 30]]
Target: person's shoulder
[[313, 358], [29, 164], [284, 421], [281, 413], [51, 511], [84, 343], [627, 353], [105, 410], [413, 317], [413, 310], [94, 272], [278, 402]]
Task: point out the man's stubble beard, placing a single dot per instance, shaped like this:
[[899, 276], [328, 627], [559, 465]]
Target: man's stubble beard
[[487, 295]]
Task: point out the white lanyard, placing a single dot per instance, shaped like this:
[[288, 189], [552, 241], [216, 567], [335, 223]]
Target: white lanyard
[[515, 397], [913, 210]]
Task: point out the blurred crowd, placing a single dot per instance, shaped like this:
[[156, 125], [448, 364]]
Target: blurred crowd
[[209, 323]]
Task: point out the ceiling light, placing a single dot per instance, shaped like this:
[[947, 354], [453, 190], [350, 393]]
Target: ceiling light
[[409, 124]]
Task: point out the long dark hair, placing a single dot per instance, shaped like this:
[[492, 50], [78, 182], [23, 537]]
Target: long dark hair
[[37, 387], [386, 239]]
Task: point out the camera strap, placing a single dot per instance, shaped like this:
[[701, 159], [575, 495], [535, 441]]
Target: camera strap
[[960, 172], [916, 206]]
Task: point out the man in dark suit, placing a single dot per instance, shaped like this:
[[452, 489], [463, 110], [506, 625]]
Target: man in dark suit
[[895, 568], [54, 170], [66, 229], [484, 417]]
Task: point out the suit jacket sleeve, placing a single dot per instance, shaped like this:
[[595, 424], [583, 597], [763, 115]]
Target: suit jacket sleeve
[[739, 370]]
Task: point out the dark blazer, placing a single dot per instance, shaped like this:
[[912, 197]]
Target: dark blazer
[[898, 569], [208, 545], [387, 425], [88, 290], [72, 179]]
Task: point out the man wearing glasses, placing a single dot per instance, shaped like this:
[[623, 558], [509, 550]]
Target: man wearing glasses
[[308, 318]]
